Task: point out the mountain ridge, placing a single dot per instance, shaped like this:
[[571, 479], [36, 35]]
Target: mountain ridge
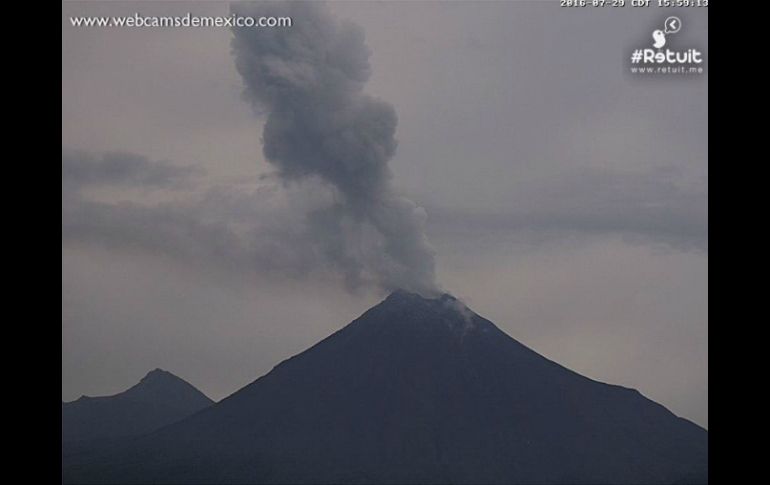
[[415, 390], [158, 399]]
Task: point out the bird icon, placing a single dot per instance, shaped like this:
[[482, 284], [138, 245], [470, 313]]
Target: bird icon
[[660, 39]]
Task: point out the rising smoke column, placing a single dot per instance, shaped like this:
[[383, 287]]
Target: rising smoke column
[[309, 79]]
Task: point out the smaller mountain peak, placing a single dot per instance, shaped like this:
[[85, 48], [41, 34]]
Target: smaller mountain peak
[[161, 379], [158, 373], [161, 382]]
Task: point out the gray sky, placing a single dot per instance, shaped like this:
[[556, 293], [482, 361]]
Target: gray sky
[[566, 201]]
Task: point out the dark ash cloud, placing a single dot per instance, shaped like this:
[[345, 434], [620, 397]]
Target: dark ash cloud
[[309, 81]]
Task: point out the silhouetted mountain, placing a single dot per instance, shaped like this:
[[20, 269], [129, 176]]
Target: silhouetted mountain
[[160, 398], [416, 390]]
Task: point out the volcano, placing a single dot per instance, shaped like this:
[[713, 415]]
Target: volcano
[[160, 398], [416, 390]]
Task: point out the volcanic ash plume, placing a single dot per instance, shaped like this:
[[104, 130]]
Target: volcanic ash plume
[[308, 79]]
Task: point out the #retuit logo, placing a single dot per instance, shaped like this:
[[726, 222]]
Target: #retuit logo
[[660, 58]]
